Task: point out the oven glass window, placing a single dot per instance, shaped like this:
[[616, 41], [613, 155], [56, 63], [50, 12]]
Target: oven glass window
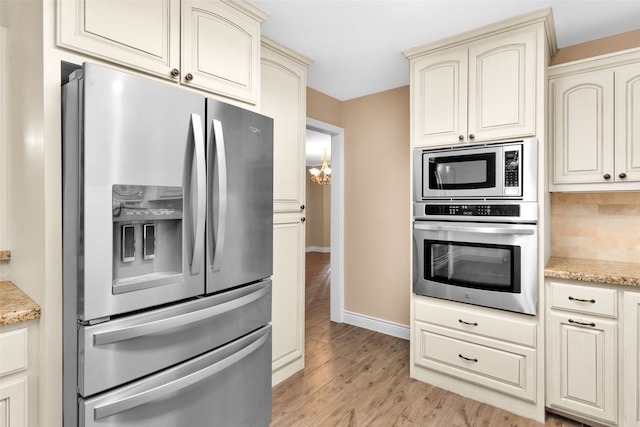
[[482, 266], [465, 172]]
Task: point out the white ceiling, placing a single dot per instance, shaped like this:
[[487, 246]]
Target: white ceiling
[[356, 45]]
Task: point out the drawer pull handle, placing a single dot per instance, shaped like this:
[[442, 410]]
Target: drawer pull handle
[[592, 301], [467, 323], [582, 323], [467, 359]]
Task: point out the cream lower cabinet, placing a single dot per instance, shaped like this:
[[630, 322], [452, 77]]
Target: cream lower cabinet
[[213, 45], [582, 351], [17, 379], [485, 354], [631, 364], [595, 133], [283, 97], [481, 87]]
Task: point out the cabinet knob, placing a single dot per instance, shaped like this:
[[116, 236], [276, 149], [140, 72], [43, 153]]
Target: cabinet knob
[[471, 136], [301, 207], [303, 219], [175, 72], [606, 176], [461, 137], [623, 175], [188, 77]]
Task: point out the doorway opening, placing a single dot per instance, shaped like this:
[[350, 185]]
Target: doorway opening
[[335, 213]]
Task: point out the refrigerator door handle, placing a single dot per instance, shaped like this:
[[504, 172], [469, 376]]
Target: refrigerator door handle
[[110, 337], [217, 240], [201, 191], [138, 399]]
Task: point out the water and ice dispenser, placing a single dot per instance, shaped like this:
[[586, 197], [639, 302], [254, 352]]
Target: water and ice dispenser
[[147, 236]]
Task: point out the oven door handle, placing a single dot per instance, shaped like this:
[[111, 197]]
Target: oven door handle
[[474, 229]]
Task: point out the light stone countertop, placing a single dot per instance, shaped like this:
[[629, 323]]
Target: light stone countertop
[[589, 270], [15, 306]]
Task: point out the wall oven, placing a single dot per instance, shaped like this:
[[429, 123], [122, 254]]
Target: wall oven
[[475, 237]]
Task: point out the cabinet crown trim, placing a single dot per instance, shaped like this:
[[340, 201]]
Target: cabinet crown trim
[[544, 15], [608, 60], [248, 8], [291, 54]]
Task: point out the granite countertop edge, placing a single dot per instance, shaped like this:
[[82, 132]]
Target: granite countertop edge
[[589, 270], [15, 305]]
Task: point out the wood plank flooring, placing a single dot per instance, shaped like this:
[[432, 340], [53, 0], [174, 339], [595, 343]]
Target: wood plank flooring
[[355, 377]]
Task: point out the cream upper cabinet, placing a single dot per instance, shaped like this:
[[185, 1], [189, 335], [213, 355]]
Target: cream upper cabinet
[[211, 45], [477, 91], [583, 127], [632, 359], [439, 98], [221, 48], [627, 123], [283, 98], [595, 136], [502, 87]]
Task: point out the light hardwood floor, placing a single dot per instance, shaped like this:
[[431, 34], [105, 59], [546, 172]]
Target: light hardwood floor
[[356, 377]]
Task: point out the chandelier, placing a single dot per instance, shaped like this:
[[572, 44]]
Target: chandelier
[[322, 176]]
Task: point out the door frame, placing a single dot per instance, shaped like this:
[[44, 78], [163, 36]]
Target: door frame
[[337, 216]]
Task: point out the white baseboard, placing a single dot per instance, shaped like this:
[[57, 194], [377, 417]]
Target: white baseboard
[[318, 249], [383, 326]]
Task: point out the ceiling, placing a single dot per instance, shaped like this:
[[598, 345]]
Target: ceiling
[[356, 45]]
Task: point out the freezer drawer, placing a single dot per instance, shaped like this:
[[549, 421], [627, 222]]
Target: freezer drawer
[[227, 387], [122, 350]]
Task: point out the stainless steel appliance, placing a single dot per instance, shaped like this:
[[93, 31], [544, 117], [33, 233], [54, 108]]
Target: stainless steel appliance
[[505, 170], [477, 245], [167, 256]]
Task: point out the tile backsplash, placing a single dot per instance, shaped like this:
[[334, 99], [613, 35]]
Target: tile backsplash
[[601, 226]]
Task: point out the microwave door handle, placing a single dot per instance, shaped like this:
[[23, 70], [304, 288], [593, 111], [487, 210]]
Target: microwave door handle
[[221, 217], [201, 195], [474, 229], [138, 399]]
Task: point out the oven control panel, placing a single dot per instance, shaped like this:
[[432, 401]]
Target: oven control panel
[[473, 210]]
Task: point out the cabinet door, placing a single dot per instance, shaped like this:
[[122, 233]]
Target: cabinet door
[[502, 87], [582, 128], [144, 35], [283, 98], [221, 49], [632, 359], [582, 374], [287, 296], [627, 123], [439, 99], [13, 402]]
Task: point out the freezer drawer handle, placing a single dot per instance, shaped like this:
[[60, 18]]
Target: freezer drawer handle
[[475, 229], [218, 141], [201, 183], [156, 393], [110, 337]]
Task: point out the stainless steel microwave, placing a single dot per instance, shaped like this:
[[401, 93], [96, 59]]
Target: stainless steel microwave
[[505, 170]]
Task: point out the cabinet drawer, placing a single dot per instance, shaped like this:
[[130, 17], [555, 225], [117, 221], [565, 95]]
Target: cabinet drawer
[[13, 351], [500, 325], [501, 366], [583, 299]]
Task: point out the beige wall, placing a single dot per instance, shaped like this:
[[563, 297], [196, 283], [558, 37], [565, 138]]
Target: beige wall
[[376, 202], [324, 108], [318, 213]]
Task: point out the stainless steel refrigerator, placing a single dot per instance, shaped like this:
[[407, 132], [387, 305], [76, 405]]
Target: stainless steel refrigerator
[[167, 256]]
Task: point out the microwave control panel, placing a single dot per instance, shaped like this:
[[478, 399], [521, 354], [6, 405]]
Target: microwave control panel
[[473, 210], [511, 168]]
